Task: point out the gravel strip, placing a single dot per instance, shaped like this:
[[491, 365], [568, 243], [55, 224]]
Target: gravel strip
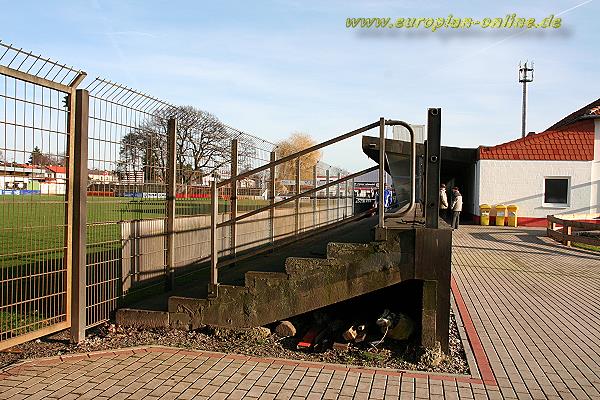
[[253, 342]]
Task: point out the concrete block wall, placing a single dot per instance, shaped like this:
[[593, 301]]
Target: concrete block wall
[[143, 252]]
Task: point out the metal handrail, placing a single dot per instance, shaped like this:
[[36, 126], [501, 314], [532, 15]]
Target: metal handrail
[[297, 154], [213, 286], [413, 168], [297, 196]]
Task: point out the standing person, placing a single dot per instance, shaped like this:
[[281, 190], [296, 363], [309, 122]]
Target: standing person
[[456, 207], [443, 202], [387, 197]]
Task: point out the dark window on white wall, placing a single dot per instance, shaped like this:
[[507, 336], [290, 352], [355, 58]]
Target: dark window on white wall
[[556, 191]]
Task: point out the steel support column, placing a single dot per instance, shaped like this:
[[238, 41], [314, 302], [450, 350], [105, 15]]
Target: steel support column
[[234, 202], [338, 195], [433, 162], [353, 199], [214, 250], [314, 202], [346, 200], [327, 194], [272, 199], [297, 202], [171, 198], [380, 208], [78, 175]]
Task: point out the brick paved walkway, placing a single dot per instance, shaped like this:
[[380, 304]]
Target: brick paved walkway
[[535, 307]]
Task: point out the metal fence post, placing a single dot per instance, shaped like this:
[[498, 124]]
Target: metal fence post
[[353, 200], [214, 248], [234, 185], [171, 198], [327, 193], [433, 162], [297, 202], [272, 200], [380, 208], [338, 195], [315, 197], [78, 175], [346, 199]]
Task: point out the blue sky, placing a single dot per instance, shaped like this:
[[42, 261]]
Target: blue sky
[[274, 67]]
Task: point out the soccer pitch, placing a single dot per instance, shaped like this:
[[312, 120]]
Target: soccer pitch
[[33, 228]]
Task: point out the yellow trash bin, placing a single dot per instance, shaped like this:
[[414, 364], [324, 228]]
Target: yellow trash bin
[[484, 210], [512, 215], [500, 214]]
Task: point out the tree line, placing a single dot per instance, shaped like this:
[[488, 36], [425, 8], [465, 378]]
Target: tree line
[[203, 147]]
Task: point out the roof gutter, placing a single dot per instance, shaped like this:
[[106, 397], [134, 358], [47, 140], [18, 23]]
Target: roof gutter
[[589, 116]]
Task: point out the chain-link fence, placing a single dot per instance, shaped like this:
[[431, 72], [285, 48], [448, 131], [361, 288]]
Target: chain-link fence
[[127, 137], [108, 190], [34, 235]]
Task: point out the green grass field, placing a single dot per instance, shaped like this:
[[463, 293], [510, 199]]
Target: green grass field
[[32, 228], [586, 246], [32, 245]]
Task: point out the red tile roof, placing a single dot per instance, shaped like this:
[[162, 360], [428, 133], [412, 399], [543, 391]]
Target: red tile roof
[[571, 143], [57, 169]]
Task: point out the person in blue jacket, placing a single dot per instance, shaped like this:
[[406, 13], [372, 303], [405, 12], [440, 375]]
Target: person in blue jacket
[[387, 197]]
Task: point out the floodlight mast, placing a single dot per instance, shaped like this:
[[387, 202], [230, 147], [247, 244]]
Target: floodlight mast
[[525, 76]]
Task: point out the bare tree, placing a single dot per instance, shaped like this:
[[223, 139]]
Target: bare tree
[[37, 157], [203, 145]]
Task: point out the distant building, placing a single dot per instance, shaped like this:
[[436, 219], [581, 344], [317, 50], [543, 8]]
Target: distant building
[[553, 172], [99, 176], [247, 183], [131, 177], [57, 172], [19, 177]]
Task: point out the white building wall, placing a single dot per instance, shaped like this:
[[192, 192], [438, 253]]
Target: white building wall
[[53, 188], [401, 133], [521, 182], [595, 178], [14, 182], [476, 185]]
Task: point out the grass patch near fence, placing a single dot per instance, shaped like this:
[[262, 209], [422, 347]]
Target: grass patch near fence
[[33, 228], [585, 246], [15, 324]]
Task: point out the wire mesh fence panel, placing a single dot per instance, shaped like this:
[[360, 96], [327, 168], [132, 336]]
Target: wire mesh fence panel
[[203, 153], [150, 168], [127, 174], [34, 137], [217, 152]]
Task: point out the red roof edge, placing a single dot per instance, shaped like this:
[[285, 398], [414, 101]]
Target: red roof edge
[[570, 143]]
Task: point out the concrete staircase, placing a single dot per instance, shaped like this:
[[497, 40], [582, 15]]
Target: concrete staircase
[[287, 283], [307, 284]]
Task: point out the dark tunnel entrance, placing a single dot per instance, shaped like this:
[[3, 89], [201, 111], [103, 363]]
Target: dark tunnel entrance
[[458, 169]]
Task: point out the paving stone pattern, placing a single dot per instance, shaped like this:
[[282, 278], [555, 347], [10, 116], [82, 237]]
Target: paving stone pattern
[[535, 307]]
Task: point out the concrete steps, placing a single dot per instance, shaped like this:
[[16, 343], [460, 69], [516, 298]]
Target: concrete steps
[[340, 265], [350, 269], [307, 284]]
